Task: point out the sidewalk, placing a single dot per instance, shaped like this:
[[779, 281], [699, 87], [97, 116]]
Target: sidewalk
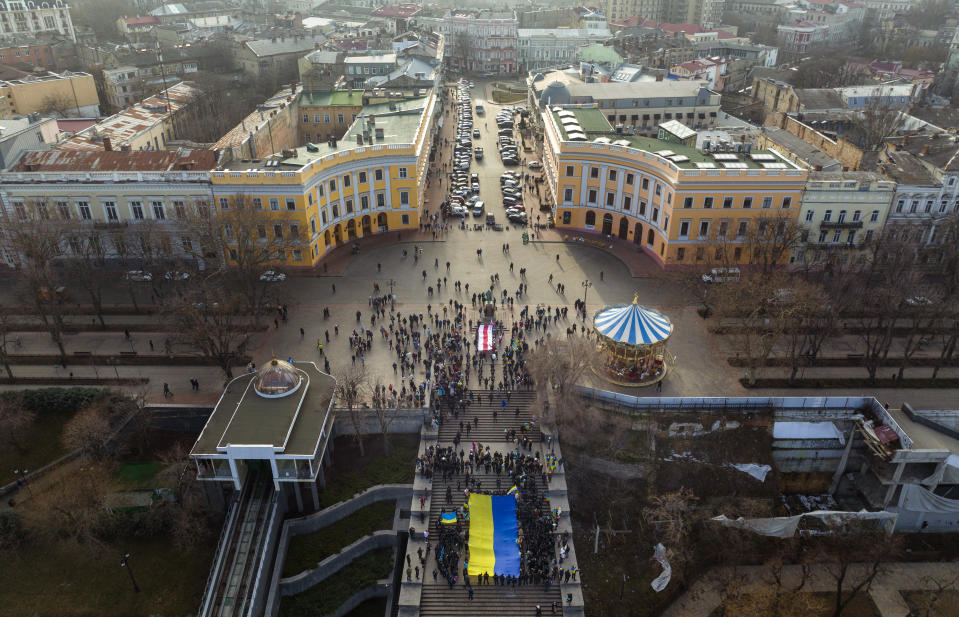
[[705, 594]]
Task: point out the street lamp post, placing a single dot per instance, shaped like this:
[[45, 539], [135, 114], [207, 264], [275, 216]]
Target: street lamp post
[[21, 474], [125, 563], [586, 286], [113, 362]]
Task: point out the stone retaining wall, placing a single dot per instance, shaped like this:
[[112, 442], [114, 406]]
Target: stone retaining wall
[[404, 421], [318, 520], [380, 590], [334, 563]]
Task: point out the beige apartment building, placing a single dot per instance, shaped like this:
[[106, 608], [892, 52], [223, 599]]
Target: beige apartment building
[[65, 94]]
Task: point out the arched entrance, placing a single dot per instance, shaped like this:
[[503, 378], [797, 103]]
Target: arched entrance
[[326, 238], [338, 234], [638, 234], [650, 237], [367, 225], [351, 229], [607, 224], [623, 228], [381, 222]]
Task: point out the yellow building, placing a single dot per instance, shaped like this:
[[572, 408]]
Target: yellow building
[[684, 206], [64, 94], [369, 181], [325, 114]]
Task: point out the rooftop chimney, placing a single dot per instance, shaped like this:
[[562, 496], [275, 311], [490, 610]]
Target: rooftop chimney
[[107, 144]]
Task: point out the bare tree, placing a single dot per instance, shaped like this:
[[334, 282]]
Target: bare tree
[[385, 411], [770, 240], [561, 365], [852, 557], [15, 421], [877, 122], [672, 517], [88, 431], [88, 270], [37, 239], [249, 239], [933, 602], [6, 330], [350, 388], [60, 105], [212, 319], [75, 505], [762, 308]]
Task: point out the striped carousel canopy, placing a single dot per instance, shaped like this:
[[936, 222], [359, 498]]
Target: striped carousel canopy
[[632, 324]]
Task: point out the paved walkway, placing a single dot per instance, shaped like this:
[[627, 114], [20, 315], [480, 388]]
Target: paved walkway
[[706, 594]]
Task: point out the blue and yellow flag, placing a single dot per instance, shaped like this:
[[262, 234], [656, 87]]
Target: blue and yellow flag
[[493, 533], [512, 490], [448, 518]]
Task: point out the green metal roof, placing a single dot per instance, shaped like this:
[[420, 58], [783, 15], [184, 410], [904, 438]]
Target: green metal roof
[[291, 423], [599, 54]]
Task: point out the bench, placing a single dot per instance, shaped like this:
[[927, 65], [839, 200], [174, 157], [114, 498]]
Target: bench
[[855, 356]]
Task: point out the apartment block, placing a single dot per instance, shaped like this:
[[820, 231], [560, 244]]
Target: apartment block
[[64, 94]]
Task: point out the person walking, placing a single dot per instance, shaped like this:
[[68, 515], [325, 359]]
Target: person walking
[[469, 590], [659, 385], [166, 391]]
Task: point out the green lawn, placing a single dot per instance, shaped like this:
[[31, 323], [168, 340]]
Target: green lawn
[[65, 580], [138, 475], [352, 473], [374, 607], [326, 597], [41, 445], [309, 549]]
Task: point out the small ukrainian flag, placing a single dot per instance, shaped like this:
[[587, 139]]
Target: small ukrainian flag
[[448, 518], [512, 490]]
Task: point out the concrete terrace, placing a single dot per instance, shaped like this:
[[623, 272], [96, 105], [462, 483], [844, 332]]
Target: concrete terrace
[[595, 125], [399, 122]]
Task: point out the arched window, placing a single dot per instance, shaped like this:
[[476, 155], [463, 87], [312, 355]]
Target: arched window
[[650, 237], [590, 217]]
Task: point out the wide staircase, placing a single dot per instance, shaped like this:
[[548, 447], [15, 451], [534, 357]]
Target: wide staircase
[[437, 598]]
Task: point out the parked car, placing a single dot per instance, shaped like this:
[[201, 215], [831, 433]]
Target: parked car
[[271, 276], [478, 153], [138, 276], [535, 165], [458, 211], [722, 275], [478, 208]]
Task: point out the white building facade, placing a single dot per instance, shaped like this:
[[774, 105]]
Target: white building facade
[[27, 17]]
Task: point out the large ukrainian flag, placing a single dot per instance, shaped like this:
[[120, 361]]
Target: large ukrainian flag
[[493, 533]]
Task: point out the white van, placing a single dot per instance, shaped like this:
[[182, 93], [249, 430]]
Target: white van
[[722, 275]]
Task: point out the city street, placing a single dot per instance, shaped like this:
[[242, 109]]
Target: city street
[[701, 369]]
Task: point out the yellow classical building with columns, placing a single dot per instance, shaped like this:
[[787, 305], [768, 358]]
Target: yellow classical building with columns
[[369, 181], [683, 205]]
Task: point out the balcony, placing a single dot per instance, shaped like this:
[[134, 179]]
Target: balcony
[[840, 225]]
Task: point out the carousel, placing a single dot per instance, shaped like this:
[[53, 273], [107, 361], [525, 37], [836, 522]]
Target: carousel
[[634, 338]]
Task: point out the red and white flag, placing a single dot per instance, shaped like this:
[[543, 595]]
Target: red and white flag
[[484, 338]]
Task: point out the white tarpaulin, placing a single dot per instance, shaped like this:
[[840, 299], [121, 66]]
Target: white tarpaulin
[[918, 499], [659, 583], [786, 526], [951, 472], [757, 471], [807, 430], [484, 338]]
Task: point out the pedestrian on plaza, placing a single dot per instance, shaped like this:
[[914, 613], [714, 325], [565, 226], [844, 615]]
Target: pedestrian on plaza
[[659, 385], [469, 590], [327, 336], [151, 344], [379, 267], [166, 391], [333, 286], [600, 275], [302, 333]]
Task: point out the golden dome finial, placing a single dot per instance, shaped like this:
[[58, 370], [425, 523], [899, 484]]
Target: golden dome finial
[[635, 297]]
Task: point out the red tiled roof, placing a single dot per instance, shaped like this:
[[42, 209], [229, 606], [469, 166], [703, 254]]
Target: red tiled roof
[[351, 44], [398, 11], [686, 28], [101, 160], [722, 35]]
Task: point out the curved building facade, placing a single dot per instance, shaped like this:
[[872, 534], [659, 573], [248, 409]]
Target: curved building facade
[[681, 204]]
